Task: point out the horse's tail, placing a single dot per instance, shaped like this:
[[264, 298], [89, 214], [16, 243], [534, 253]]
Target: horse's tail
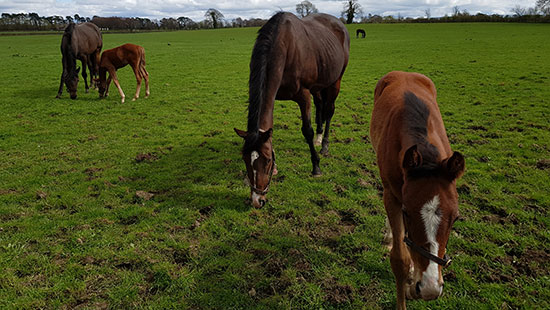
[[257, 84]]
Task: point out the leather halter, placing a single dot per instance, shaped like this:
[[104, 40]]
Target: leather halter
[[266, 190], [445, 261]]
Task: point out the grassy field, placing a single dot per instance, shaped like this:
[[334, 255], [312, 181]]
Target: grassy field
[[142, 204]]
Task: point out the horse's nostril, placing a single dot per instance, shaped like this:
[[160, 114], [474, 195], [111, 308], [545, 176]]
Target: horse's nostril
[[262, 202], [418, 288]]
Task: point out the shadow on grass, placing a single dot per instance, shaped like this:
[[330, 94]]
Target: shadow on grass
[[196, 175]]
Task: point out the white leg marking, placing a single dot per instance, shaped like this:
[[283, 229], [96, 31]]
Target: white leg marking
[[319, 139]]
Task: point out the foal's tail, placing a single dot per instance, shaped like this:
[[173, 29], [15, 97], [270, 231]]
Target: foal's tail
[[142, 71]]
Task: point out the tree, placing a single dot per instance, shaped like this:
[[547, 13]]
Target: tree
[[186, 23], [35, 20], [214, 16], [428, 13], [305, 8], [543, 6], [519, 11], [456, 10], [351, 9]]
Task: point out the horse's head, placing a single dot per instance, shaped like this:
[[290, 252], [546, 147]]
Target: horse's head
[[71, 81], [259, 160], [430, 208]]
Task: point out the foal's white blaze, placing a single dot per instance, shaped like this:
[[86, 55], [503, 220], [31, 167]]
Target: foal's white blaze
[[253, 156], [430, 277]]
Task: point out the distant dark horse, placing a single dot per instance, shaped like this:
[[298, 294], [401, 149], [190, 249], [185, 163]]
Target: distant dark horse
[[292, 59], [360, 32], [118, 57], [81, 42]]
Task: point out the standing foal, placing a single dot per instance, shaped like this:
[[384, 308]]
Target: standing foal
[[419, 172], [118, 57]]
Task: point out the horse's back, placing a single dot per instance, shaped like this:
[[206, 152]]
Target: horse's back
[[318, 39], [88, 37], [389, 102], [404, 103]]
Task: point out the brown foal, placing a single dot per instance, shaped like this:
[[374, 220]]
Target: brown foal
[[118, 57], [419, 172]]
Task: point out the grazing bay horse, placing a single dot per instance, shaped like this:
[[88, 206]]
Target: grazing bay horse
[[360, 32], [419, 172], [82, 42], [292, 59], [118, 57]]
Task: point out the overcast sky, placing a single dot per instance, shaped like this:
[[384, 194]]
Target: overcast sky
[[195, 9]]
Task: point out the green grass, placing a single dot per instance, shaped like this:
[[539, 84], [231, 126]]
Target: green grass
[[76, 232]]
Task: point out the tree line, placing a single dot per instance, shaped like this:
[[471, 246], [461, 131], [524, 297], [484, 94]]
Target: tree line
[[32, 21], [352, 12]]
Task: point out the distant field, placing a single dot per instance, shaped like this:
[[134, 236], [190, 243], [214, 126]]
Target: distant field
[[142, 204]]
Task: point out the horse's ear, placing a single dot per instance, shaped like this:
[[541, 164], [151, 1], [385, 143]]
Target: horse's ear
[[241, 133], [264, 136], [454, 165], [412, 158]]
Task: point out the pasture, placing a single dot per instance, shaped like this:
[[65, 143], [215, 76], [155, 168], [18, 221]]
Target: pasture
[[143, 205]]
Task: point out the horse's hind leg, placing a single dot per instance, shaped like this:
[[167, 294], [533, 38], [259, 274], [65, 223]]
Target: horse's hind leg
[[318, 117], [84, 62], [304, 101], [328, 112], [137, 73], [146, 77]]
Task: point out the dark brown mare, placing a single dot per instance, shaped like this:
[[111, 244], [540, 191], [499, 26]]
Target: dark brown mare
[[419, 172], [82, 42], [360, 32], [292, 59], [118, 57]]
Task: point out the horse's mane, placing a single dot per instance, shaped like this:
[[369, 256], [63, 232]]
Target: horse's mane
[[415, 118], [257, 83], [66, 50]]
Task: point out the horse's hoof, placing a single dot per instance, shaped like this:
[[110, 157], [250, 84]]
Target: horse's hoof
[[316, 172], [324, 151], [134, 99], [87, 90]]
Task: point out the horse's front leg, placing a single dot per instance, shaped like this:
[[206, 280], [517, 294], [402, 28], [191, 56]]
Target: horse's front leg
[[304, 101], [115, 80], [107, 84], [400, 259], [84, 62]]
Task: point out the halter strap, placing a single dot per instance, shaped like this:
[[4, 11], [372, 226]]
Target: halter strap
[[266, 190], [445, 261]]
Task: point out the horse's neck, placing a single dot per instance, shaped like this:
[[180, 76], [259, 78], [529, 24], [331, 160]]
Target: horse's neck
[[266, 117]]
